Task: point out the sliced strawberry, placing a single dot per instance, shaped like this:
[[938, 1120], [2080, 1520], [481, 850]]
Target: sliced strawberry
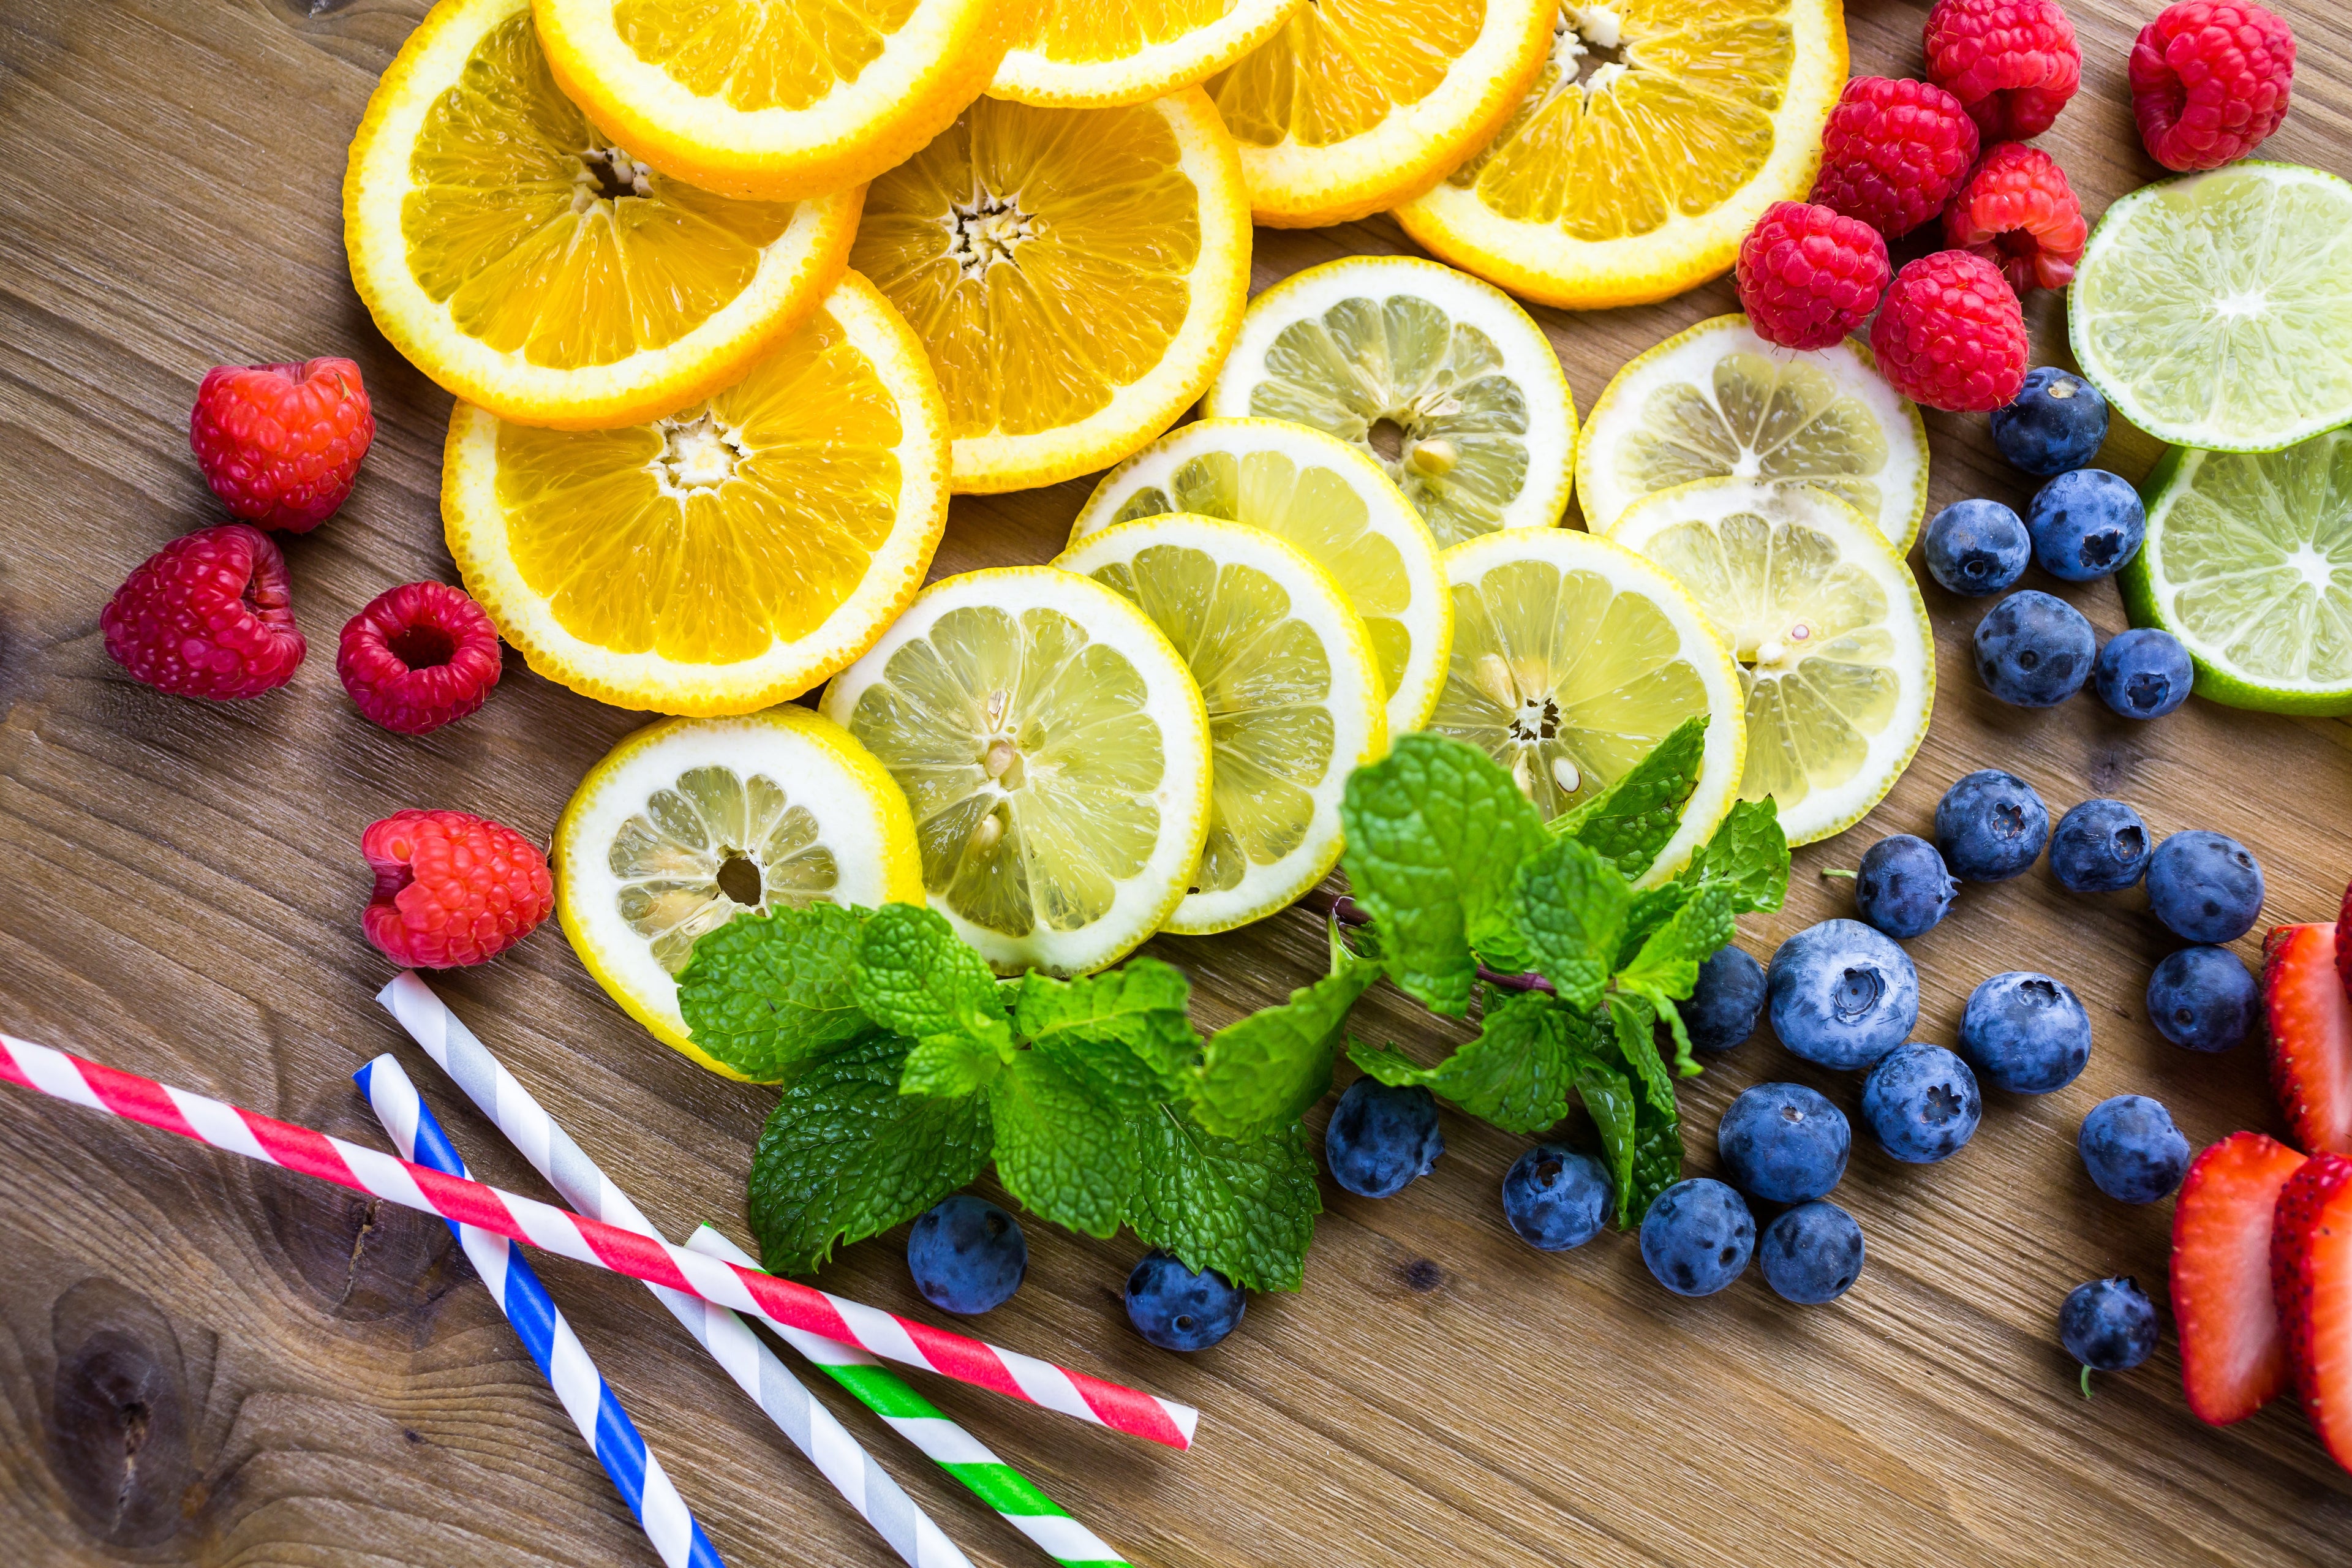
[[2311, 1280], [2233, 1352], [2311, 1036], [2344, 941]]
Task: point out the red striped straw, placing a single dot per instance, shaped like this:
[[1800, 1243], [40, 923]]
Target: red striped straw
[[780, 1301]]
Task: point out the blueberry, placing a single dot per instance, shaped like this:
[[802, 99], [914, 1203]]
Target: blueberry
[[1178, 1309], [967, 1254], [2086, 524], [1812, 1254], [2025, 1033], [2100, 846], [2143, 673], [1921, 1103], [1977, 547], [2204, 998], [1783, 1143], [1991, 825], [1697, 1237], [2204, 886], [1723, 1010], [2034, 650], [1902, 888], [2057, 423], [1842, 995], [2108, 1325], [1556, 1198], [1381, 1140], [2133, 1153]]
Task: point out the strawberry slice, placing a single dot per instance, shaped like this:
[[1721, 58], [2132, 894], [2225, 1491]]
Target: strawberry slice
[[2311, 1280], [2311, 1036], [2344, 941], [2233, 1352]]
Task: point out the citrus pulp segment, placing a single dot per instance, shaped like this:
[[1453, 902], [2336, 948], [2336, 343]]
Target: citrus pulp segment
[[1097, 53], [2247, 561], [523, 259], [1572, 659], [2215, 310], [690, 821], [730, 555], [1718, 402], [1324, 499], [1293, 697], [1832, 639], [1440, 378], [1055, 754], [1653, 136], [1077, 275]]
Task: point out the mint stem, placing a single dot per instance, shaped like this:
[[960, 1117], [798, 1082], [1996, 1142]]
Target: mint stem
[[1347, 912], [1837, 871]]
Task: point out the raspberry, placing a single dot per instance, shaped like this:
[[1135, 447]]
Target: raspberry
[[1951, 335], [2208, 82], [2013, 62], [279, 443], [1808, 276], [209, 614], [2018, 212], [1892, 152], [418, 657], [451, 888]]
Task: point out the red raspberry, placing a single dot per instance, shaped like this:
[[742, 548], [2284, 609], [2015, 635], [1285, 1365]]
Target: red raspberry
[[209, 614], [279, 443], [2208, 82], [1808, 277], [2018, 212], [2013, 62], [1951, 335], [1892, 152], [418, 657], [451, 888]]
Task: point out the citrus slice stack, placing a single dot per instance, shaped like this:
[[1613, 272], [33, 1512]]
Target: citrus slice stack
[[774, 99], [1656, 134], [1055, 754], [1828, 628], [690, 821], [1441, 378], [1084, 54], [1293, 695], [518, 257], [1572, 659], [1327, 500], [729, 556], [1718, 402]]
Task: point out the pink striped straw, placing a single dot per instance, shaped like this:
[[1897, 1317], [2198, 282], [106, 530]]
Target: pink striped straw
[[780, 1301]]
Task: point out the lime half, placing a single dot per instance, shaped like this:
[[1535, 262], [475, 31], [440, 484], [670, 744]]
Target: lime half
[[2249, 562], [2215, 311]]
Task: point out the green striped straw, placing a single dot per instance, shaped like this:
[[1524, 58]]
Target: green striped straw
[[1013, 1495]]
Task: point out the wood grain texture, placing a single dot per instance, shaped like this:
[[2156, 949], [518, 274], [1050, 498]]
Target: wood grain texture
[[206, 1362]]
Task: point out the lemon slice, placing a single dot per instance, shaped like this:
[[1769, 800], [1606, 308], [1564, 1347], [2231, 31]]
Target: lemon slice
[[1294, 698], [688, 823], [529, 265], [1054, 752], [1076, 274], [1352, 108], [1086, 54], [1656, 134], [1717, 401], [1442, 379], [1326, 500], [1572, 659], [1828, 628], [728, 556], [774, 99]]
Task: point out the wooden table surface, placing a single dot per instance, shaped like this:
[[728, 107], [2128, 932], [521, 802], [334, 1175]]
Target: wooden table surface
[[203, 1362]]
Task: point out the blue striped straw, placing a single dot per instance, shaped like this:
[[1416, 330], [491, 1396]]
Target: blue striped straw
[[586, 1397]]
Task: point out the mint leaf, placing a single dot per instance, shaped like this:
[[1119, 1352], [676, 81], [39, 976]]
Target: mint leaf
[[1259, 1074], [947, 1067], [1634, 1023], [1246, 1208], [1060, 1149], [1748, 857], [1435, 831], [1628, 823], [762, 992], [1140, 1005], [1667, 966], [1654, 1153], [844, 1155], [1657, 1157], [1571, 909], [1653, 907], [1610, 1099], [915, 977], [1516, 1074]]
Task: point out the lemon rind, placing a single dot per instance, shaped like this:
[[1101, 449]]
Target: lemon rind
[[1027, 75]]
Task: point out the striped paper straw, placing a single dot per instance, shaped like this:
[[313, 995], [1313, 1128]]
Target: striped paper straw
[[47, 1071], [586, 1397]]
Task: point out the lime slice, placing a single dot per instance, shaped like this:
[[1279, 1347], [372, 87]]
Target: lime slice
[[2249, 562], [2215, 311]]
